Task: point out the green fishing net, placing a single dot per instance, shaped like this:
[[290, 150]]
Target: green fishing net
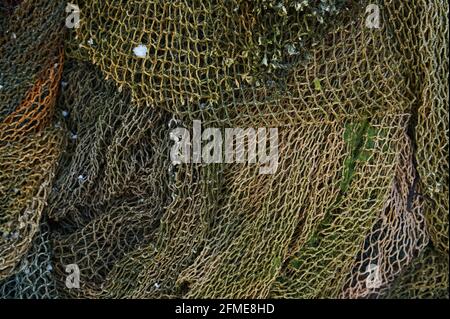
[[358, 204]]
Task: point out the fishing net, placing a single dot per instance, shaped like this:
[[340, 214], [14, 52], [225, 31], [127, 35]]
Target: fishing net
[[433, 123], [118, 190], [195, 51], [6, 8], [324, 259], [357, 206], [27, 168], [30, 47], [110, 190], [29, 143], [34, 278], [426, 277]]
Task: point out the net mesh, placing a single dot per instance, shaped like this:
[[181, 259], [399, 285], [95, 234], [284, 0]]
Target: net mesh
[[110, 189], [358, 205], [433, 123], [196, 51], [426, 277], [29, 143], [34, 278]]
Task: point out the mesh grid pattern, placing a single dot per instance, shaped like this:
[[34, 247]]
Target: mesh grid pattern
[[358, 207]]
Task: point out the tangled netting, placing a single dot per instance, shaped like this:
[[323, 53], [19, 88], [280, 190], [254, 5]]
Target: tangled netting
[[357, 207]]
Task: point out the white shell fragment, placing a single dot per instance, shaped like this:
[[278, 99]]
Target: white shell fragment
[[140, 51]]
